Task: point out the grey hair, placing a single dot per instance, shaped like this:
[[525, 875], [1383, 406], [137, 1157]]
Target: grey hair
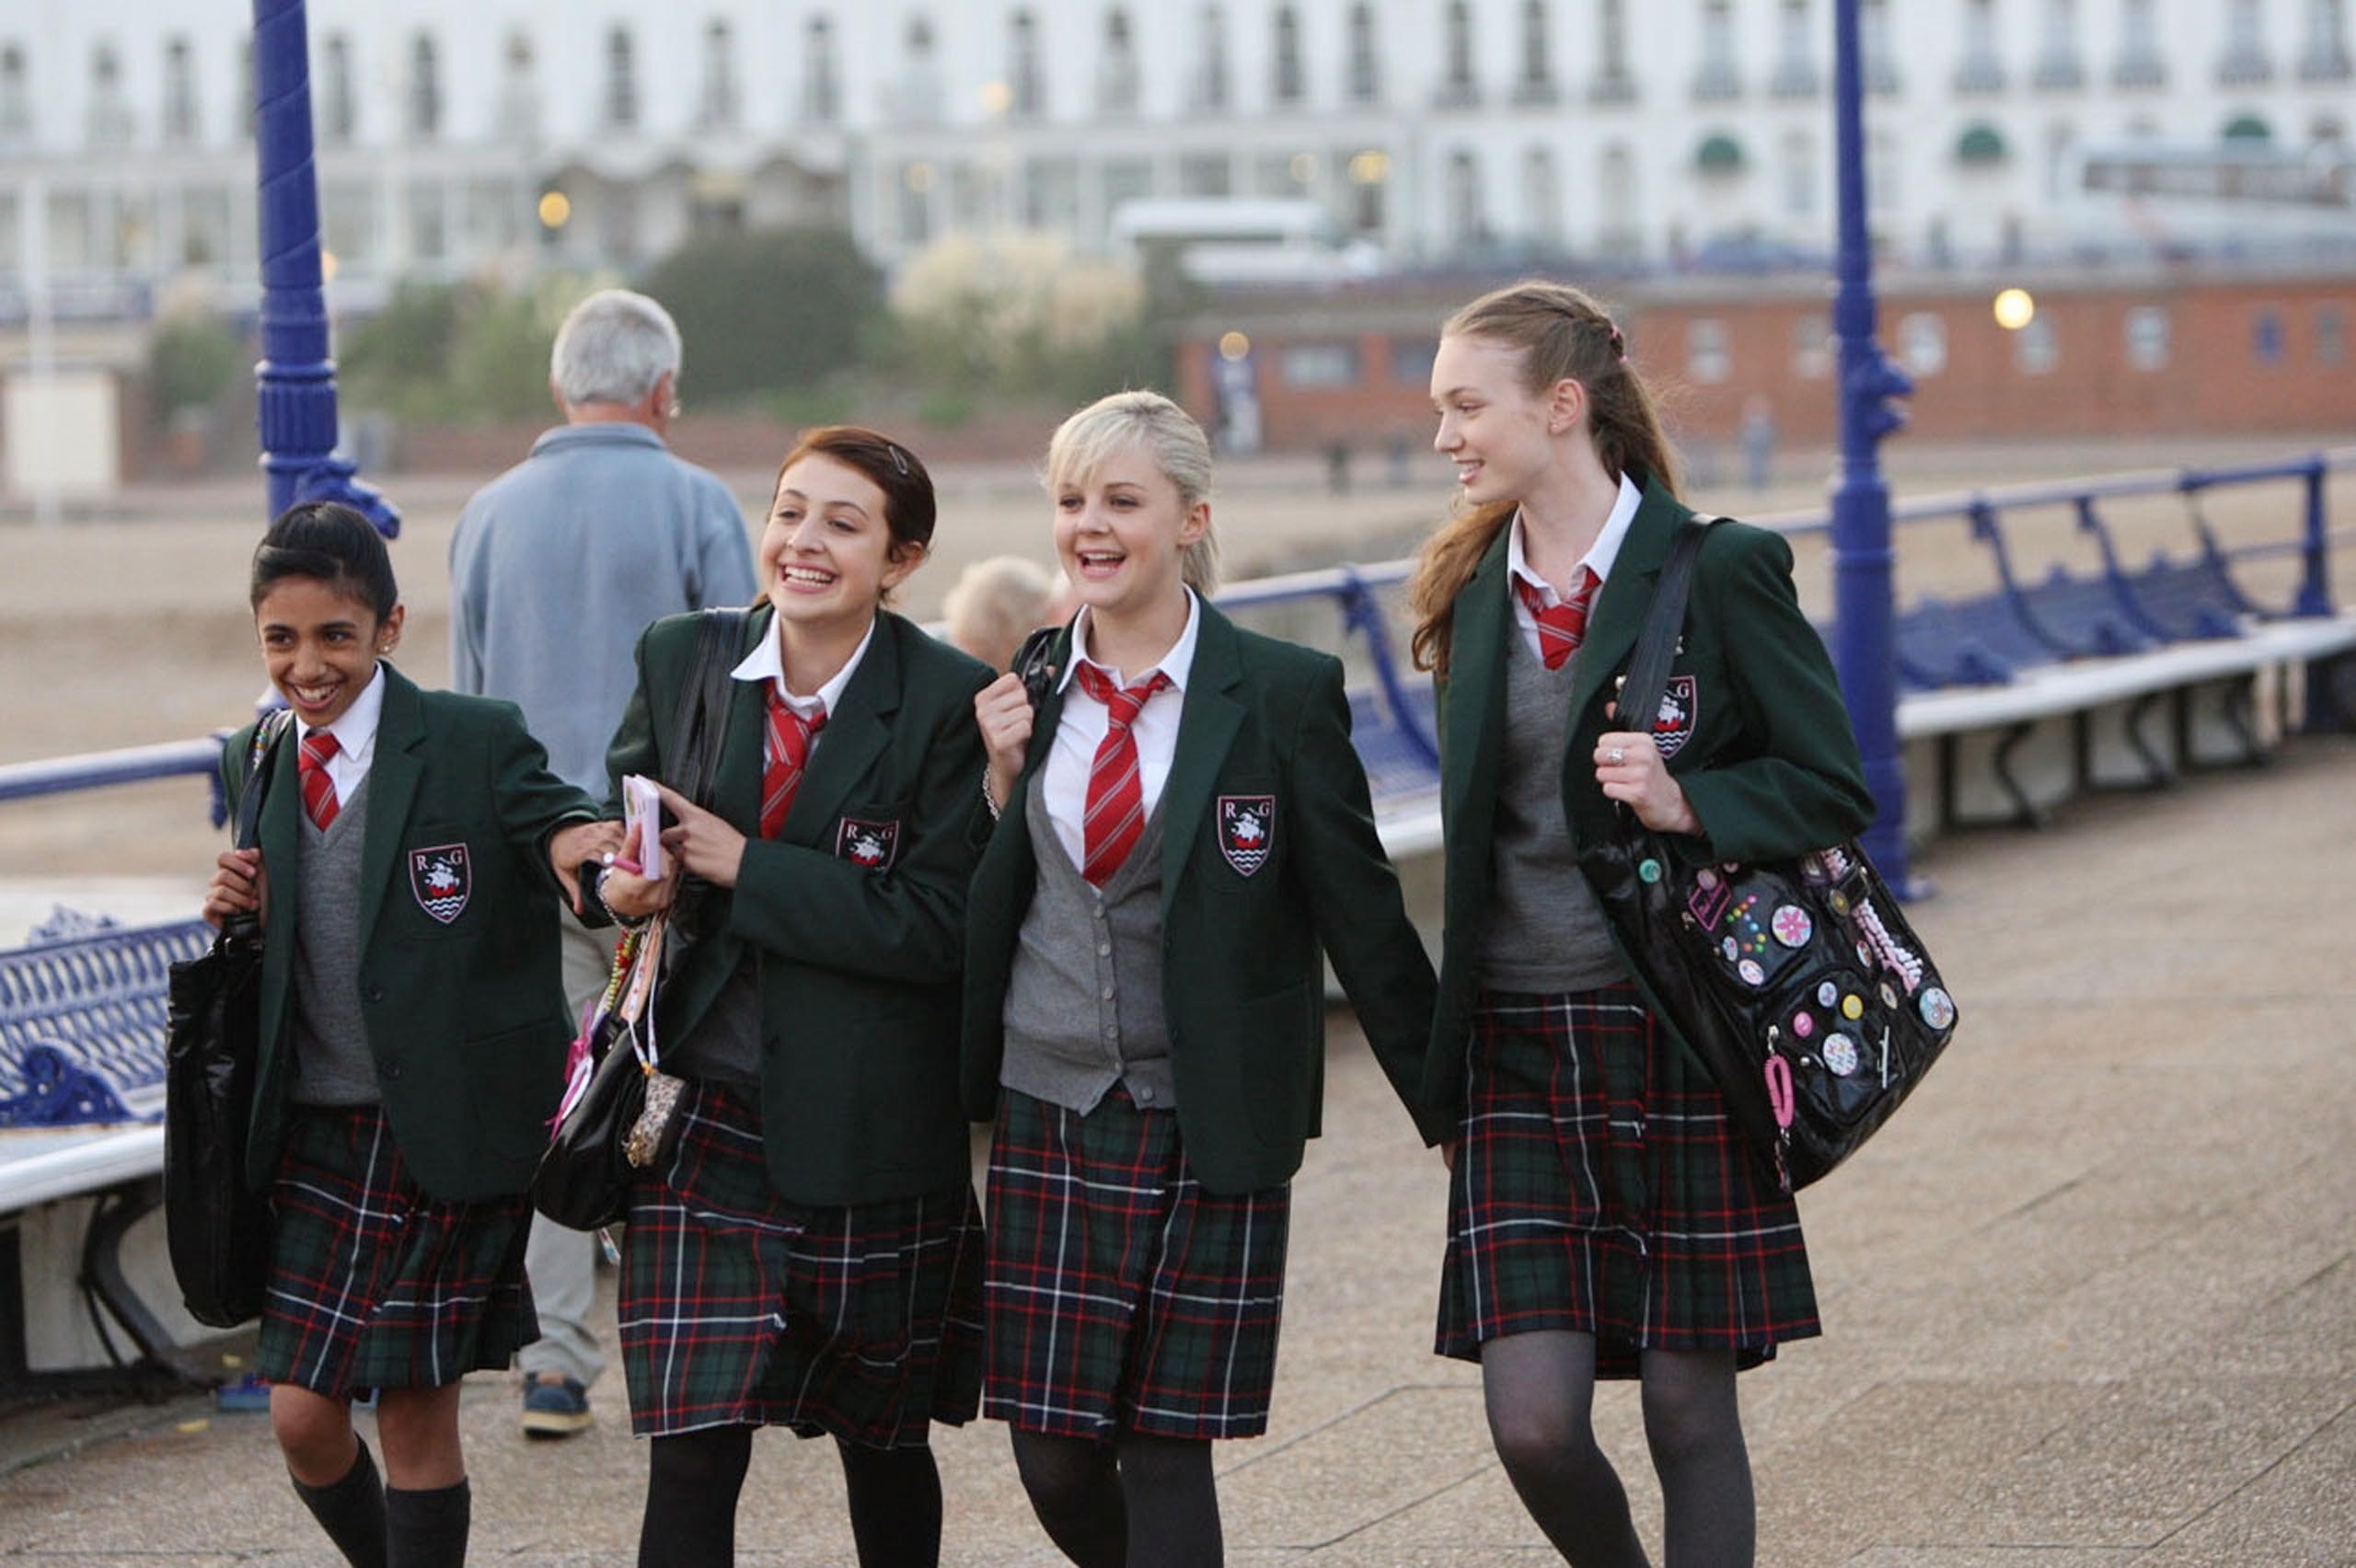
[[613, 348], [1179, 449]]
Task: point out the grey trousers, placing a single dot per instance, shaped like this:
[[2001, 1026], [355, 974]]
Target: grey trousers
[[561, 1263]]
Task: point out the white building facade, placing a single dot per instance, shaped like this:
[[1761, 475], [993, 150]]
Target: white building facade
[[1484, 131]]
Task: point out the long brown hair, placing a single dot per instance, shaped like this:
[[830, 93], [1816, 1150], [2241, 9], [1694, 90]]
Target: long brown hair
[[1563, 335]]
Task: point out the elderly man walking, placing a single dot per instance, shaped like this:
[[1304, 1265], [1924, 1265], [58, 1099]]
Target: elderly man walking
[[554, 568]]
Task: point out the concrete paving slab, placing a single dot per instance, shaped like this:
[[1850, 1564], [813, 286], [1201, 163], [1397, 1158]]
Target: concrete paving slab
[[2303, 1510]]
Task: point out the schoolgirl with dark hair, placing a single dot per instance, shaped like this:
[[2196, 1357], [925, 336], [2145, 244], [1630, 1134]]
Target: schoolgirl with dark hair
[[1184, 826], [810, 1256], [413, 1035], [1604, 1220]]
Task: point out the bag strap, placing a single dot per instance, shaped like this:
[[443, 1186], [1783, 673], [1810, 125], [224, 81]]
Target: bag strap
[[1647, 677], [267, 735], [700, 724]]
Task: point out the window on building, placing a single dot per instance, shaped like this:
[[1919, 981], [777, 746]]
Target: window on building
[[333, 90], [1536, 82], [205, 227], [1876, 60], [1618, 232], [2036, 350], [1982, 69], [1613, 83], [621, 80], [1717, 77], [821, 92], [1457, 84], [2245, 61], [2140, 63], [110, 122], [15, 101], [2266, 336], [249, 109], [1027, 83], [2058, 66], [1811, 347], [1319, 364], [424, 87], [519, 94], [1117, 75], [179, 92], [1411, 360], [1885, 173], [1795, 159], [1285, 83], [1542, 200], [428, 235], [1051, 195], [916, 184], [716, 110], [1708, 354], [1795, 73], [1206, 174], [1211, 67], [2331, 335], [917, 97], [1127, 179], [1467, 220], [2147, 336], [1363, 81], [1923, 343], [2325, 56]]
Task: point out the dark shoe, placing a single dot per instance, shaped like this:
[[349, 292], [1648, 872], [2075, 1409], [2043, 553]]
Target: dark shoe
[[554, 1406]]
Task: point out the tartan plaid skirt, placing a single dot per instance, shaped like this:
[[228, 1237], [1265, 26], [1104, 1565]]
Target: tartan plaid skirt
[[374, 1285], [741, 1308], [1122, 1297], [1599, 1187]]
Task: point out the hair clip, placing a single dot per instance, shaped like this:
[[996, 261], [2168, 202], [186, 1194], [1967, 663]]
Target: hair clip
[[900, 458]]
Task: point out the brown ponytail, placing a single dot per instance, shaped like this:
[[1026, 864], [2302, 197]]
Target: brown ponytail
[[1563, 335]]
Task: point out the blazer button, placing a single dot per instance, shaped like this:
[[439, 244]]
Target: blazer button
[[376, 994], [392, 1069]]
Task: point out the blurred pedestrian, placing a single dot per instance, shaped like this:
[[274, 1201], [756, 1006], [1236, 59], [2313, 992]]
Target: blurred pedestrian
[[994, 604], [1757, 436], [555, 568]]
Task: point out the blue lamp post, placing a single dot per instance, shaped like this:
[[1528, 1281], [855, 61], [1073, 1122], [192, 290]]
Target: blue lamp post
[[295, 408], [1863, 579]]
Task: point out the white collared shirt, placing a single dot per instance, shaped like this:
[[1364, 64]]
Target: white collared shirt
[[1598, 560], [355, 737], [1085, 721], [766, 663]]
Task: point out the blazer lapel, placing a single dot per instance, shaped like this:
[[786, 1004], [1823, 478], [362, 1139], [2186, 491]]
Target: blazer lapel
[[856, 734], [1476, 698], [393, 778], [1207, 728], [1627, 594], [737, 793]]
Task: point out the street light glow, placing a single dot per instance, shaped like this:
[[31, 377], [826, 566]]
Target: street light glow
[[1370, 168], [2014, 309], [556, 210], [1233, 345]]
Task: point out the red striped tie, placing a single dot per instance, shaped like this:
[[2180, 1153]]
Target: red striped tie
[[311, 772], [1114, 818], [784, 753], [1563, 625]]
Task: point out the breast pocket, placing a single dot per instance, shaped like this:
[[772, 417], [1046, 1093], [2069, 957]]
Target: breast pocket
[[870, 837]]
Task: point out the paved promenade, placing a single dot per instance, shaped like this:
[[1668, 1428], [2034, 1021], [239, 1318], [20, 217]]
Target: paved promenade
[[2090, 1301]]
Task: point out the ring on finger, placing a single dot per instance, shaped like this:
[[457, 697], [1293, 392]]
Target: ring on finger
[[1616, 754]]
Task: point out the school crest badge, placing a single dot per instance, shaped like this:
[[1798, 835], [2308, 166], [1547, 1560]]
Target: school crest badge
[[872, 845], [1247, 830], [442, 880], [1680, 708]]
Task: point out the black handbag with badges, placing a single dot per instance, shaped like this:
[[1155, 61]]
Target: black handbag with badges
[[618, 1114], [1798, 983], [216, 1229]]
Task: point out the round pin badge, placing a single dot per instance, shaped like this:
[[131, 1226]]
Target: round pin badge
[[1827, 993], [1840, 901], [1889, 994], [1938, 1008], [1853, 1007], [1648, 869], [1841, 1054], [1705, 878], [1752, 974], [1803, 1024], [1792, 927], [1732, 949]]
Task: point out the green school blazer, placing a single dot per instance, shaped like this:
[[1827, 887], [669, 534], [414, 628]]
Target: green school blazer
[[1241, 987], [855, 913], [459, 984], [1752, 726]]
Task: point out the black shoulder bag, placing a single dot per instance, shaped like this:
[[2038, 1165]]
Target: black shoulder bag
[[1798, 982], [216, 1229], [604, 1132]]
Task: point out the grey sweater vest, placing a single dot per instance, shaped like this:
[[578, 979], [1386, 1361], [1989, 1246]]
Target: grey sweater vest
[[332, 1063], [1545, 931], [1083, 1004]]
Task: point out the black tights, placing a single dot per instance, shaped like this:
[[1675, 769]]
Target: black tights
[[1134, 1503], [693, 1479], [1540, 1389]]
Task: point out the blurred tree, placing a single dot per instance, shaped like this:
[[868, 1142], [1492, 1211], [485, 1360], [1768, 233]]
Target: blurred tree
[[768, 311], [1018, 314], [190, 361]]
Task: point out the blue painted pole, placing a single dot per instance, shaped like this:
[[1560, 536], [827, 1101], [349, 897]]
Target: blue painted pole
[[1864, 580], [294, 412]]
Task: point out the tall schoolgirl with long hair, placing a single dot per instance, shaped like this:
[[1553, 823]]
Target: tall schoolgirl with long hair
[[810, 1256], [1183, 821], [413, 1035], [1604, 1220]]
